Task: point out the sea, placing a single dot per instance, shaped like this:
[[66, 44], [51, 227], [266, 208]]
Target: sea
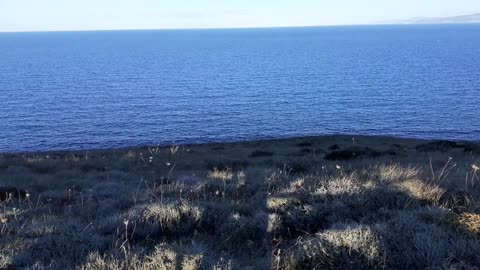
[[113, 89]]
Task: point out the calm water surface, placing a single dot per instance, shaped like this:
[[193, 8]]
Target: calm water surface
[[79, 90]]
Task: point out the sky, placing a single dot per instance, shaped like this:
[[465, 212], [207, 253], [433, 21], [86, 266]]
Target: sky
[[68, 15]]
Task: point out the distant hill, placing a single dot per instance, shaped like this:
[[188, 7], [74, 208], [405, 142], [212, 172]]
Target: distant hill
[[472, 18]]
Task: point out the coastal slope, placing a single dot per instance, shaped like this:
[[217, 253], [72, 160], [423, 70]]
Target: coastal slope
[[331, 202]]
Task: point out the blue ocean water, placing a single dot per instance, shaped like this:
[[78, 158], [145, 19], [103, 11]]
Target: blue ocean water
[[82, 90]]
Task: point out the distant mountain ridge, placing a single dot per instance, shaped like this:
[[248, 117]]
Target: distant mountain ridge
[[471, 18]]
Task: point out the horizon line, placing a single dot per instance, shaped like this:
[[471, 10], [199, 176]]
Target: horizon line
[[237, 28], [193, 28]]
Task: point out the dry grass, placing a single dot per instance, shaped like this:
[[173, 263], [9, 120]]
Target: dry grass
[[223, 175], [466, 222], [255, 205], [341, 247]]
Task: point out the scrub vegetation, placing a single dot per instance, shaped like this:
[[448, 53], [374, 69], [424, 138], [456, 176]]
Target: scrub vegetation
[[332, 202]]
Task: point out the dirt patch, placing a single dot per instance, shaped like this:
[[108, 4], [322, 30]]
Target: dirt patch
[[472, 147], [398, 146], [334, 147], [357, 152], [441, 146], [305, 144], [295, 154], [260, 153]]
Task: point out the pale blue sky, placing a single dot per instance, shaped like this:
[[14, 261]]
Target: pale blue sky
[[53, 15]]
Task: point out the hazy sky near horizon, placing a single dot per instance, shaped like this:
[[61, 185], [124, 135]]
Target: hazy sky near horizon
[[54, 15]]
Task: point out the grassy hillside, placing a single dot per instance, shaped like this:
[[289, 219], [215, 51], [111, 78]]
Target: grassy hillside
[[309, 203]]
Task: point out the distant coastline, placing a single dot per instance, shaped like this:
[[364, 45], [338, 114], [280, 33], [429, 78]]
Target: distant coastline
[[461, 19]]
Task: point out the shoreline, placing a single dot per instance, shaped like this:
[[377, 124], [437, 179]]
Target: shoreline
[[316, 138]]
